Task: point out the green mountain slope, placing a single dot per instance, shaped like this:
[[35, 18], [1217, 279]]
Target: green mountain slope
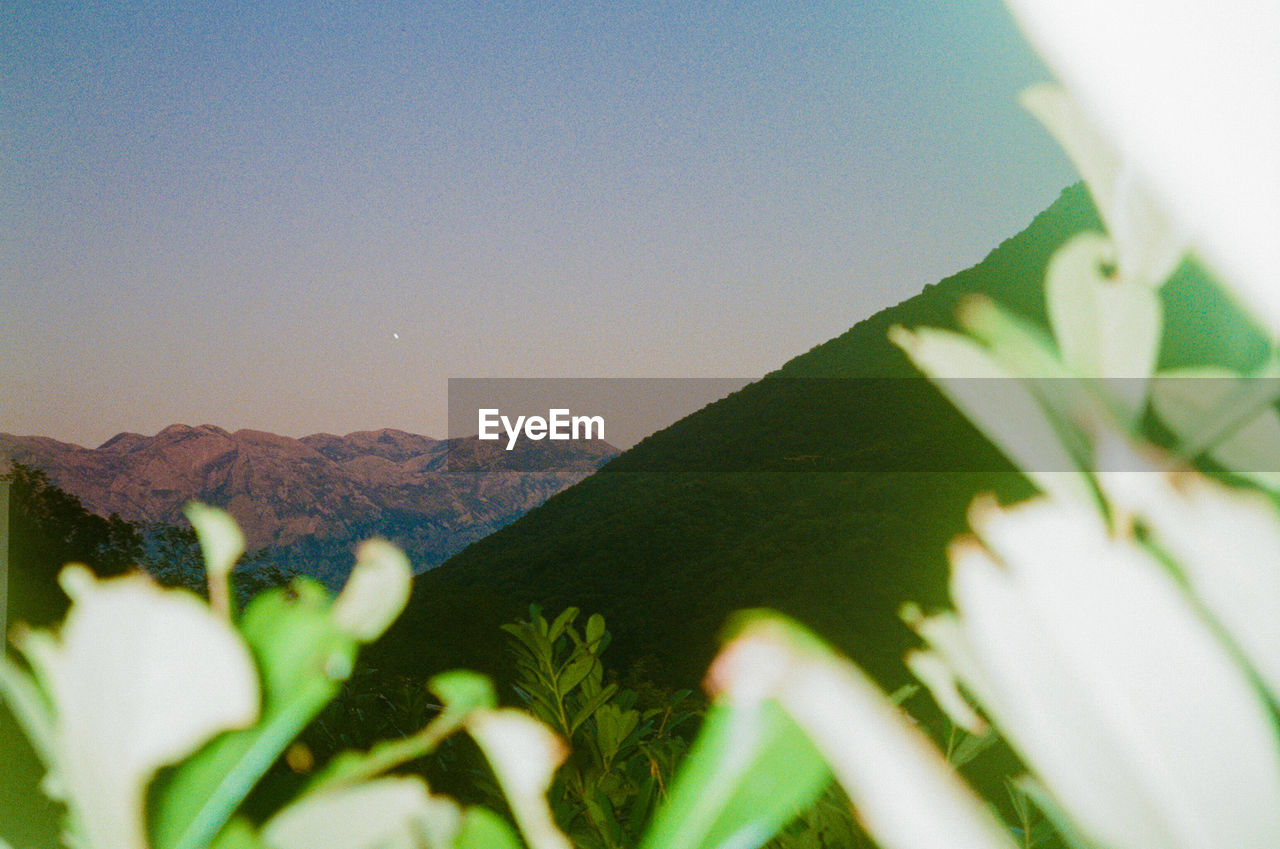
[[831, 500]]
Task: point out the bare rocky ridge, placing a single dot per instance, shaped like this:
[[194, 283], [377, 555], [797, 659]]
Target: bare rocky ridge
[[313, 497]]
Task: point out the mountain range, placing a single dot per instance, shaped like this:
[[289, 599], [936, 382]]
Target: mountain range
[[309, 500]]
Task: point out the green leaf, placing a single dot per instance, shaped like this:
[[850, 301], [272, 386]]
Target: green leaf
[[303, 657], [591, 706], [557, 627], [483, 829], [575, 671], [238, 834], [595, 630], [463, 691], [750, 771], [532, 639], [613, 727]]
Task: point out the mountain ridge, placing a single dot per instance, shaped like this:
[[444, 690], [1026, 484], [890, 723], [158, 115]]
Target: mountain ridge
[[312, 497], [705, 517]]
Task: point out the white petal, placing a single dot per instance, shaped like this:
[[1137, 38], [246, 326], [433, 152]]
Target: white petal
[[1046, 712], [903, 790], [524, 755], [139, 678], [1003, 407], [1190, 91], [1148, 244], [1105, 328], [376, 592], [387, 813], [1204, 408], [220, 537], [1109, 640], [1227, 545]]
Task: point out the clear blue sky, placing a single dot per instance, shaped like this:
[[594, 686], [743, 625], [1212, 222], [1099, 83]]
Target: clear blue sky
[[225, 214]]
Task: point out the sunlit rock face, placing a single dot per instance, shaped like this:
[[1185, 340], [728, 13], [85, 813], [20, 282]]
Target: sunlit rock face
[[318, 494]]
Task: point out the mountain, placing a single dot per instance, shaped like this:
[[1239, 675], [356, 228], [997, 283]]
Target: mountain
[[829, 490], [309, 500]]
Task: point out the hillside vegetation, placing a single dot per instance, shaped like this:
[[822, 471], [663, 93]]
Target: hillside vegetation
[[828, 490]]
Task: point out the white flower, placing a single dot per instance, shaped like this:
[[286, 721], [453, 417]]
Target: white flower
[[1189, 92], [1100, 671], [139, 678]]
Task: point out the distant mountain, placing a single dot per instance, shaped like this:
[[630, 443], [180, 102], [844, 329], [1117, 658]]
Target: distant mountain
[[829, 490], [311, 499]]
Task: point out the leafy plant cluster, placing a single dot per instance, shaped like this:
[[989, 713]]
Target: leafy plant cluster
[[622, 754]]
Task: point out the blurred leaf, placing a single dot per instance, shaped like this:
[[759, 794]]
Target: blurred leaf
[[595, 630], [388, 813], [902, 789], [462, 693], [238, 834], [303, 657], [749, 772], [126, 698], [375, 593], [30, 708], [524, 755], [483, 829]]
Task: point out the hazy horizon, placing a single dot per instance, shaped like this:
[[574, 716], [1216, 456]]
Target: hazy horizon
[[307, 220]]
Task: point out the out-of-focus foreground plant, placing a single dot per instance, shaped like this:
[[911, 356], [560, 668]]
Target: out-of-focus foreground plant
[[156, 714]]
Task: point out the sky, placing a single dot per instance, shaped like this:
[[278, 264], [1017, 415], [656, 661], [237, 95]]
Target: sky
[[305, 217]]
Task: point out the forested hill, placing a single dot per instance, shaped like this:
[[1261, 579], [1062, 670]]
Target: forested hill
[[831, 500]]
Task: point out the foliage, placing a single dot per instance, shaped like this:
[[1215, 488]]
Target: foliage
[[50, 528], [622, 753]]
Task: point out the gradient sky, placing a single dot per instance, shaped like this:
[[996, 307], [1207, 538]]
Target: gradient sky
[[224, 214]]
